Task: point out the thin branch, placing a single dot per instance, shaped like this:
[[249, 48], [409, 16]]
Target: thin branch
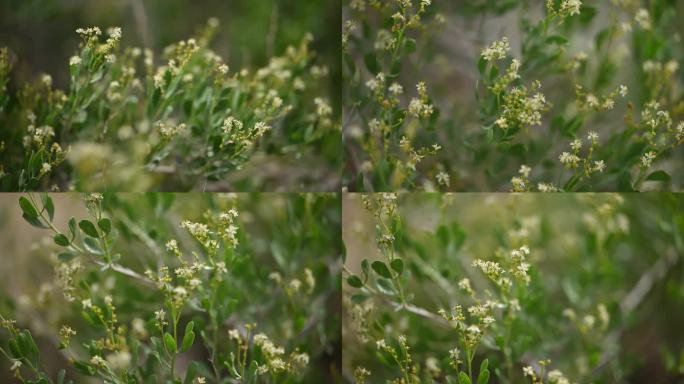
[[140, 17]]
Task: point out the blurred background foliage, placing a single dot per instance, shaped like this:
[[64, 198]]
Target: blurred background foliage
[[41, 33], [283, 233], [623, 251]]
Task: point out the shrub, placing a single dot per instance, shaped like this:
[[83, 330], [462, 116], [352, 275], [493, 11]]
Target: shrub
[[239, 293], [128, 122], [581, 96], [513, 289]]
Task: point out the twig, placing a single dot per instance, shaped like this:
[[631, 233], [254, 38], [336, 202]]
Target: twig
[[141, 24]]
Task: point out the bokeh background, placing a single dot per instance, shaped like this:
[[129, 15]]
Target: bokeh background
[[625, 251], [41, 33], [284, 233]]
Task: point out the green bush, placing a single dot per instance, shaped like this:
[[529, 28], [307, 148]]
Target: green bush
[[128, 122], [579, 288], [241, 290], [560, 95]]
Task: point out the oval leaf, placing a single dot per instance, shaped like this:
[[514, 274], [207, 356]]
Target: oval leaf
[[189, 337], [381, 269], [105, 225], [397, 265], [170, 343], [354, 281], [28, 208], [88, 228], [60, 239]]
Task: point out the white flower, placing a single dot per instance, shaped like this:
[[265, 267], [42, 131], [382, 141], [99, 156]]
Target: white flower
[[570, 7], [119, 360], [230, 123], [260, 128], [647, 159], [576, 145], [643, 19], [380, 344], [115, 33], [454, 354], [74, 60], [233, 334], [322, 107], [396, 88], [592, 136], [45, 168], [443, 178], [497, 50], [623, 90], [528, 371], [599, 165], [97, 361], [501, 122], [525, 170]]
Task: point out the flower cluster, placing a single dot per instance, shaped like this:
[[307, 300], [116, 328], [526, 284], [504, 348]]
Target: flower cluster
[[185, 120]]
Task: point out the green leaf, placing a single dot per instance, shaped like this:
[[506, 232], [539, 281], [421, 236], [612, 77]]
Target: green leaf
[[188, 337], [60, 239], [365, 268], [483, 377], [381, 269], [28, 208], [484, 365], [410, 46], [659, 176], [91, 245], [385, 286], [28, 346], [170, 343], [252, 373], [557, 39], [191, 372], [354, 281], [49, 206], [463, 378], [88, 228], [105, 225], [34, 221], [397, 265], [482, 65], [65, 256], [371, 63], [60, 376], [72, 227]]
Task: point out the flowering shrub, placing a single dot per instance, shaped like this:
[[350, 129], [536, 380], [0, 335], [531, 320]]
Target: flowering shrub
[[557, 289], [240, 293], [131, 121], [581, 96]]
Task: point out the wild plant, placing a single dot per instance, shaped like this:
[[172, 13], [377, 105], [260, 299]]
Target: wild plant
[[141, 296], [133, 121], [581, 96], [537, 296]]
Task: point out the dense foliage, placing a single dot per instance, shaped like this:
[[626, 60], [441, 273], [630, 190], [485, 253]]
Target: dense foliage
[[557, 95], [130, 121], [193, 288], [513, 289]]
